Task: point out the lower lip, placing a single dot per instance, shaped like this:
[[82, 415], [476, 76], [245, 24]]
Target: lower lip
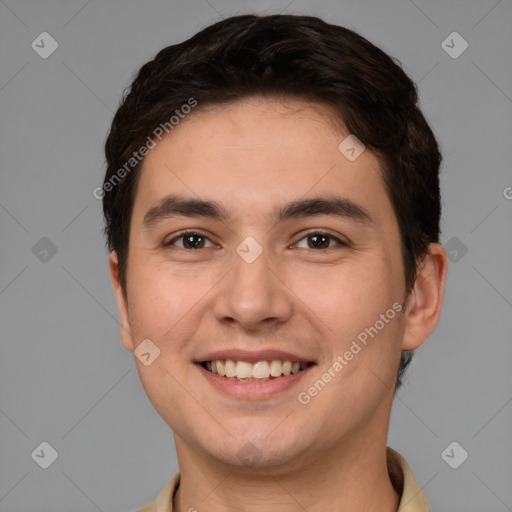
[[252, 390]]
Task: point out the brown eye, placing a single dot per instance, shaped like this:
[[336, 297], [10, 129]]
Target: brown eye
[[190, 241], [320, 241]]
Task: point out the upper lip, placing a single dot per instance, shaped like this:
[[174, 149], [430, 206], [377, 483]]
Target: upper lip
[[252, 356]]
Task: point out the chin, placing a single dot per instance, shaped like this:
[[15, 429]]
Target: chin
[[253, 451]]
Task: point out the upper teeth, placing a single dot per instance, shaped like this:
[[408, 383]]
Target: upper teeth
[[258, 370]]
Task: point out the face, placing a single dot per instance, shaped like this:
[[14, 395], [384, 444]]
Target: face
[[258, 248]]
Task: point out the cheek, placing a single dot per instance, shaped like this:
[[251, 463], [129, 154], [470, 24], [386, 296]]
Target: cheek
[[347, 299], [348, 304], [162, 310], [168, 301], [158, 299]]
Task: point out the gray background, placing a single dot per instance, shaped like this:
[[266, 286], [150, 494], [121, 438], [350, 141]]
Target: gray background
[[64, 376]]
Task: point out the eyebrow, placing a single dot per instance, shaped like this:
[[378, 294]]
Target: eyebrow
[[178, 206]]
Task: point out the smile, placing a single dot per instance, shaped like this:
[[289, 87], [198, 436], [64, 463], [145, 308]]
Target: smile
[[258, 371]]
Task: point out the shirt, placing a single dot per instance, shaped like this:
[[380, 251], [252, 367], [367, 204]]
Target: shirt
[[412, 497]]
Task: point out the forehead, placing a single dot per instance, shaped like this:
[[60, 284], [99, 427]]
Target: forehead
[[256, 154]]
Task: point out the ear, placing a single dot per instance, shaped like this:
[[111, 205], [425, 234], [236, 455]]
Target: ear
[[426, 299], [122, 302]]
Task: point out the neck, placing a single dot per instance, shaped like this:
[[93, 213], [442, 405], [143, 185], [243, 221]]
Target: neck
[[354, 476]]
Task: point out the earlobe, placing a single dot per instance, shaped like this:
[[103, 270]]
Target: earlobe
[[122, 305], [425, 303]]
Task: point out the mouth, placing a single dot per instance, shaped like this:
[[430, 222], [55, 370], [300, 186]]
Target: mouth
[[259, 371]]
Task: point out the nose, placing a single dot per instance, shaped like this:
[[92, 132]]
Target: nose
[[253, 295]]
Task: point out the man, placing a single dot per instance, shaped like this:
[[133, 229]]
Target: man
[[272, 211]]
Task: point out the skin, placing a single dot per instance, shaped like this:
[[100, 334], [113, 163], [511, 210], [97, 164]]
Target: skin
[[329, 454]]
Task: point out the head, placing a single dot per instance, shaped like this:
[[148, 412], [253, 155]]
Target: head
[[244, 121]]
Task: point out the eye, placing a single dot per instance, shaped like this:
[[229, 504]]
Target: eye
[[320, 240], [190, 240], [314, 240]]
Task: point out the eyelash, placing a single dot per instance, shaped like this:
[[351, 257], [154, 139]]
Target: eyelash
[[339, 242]]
